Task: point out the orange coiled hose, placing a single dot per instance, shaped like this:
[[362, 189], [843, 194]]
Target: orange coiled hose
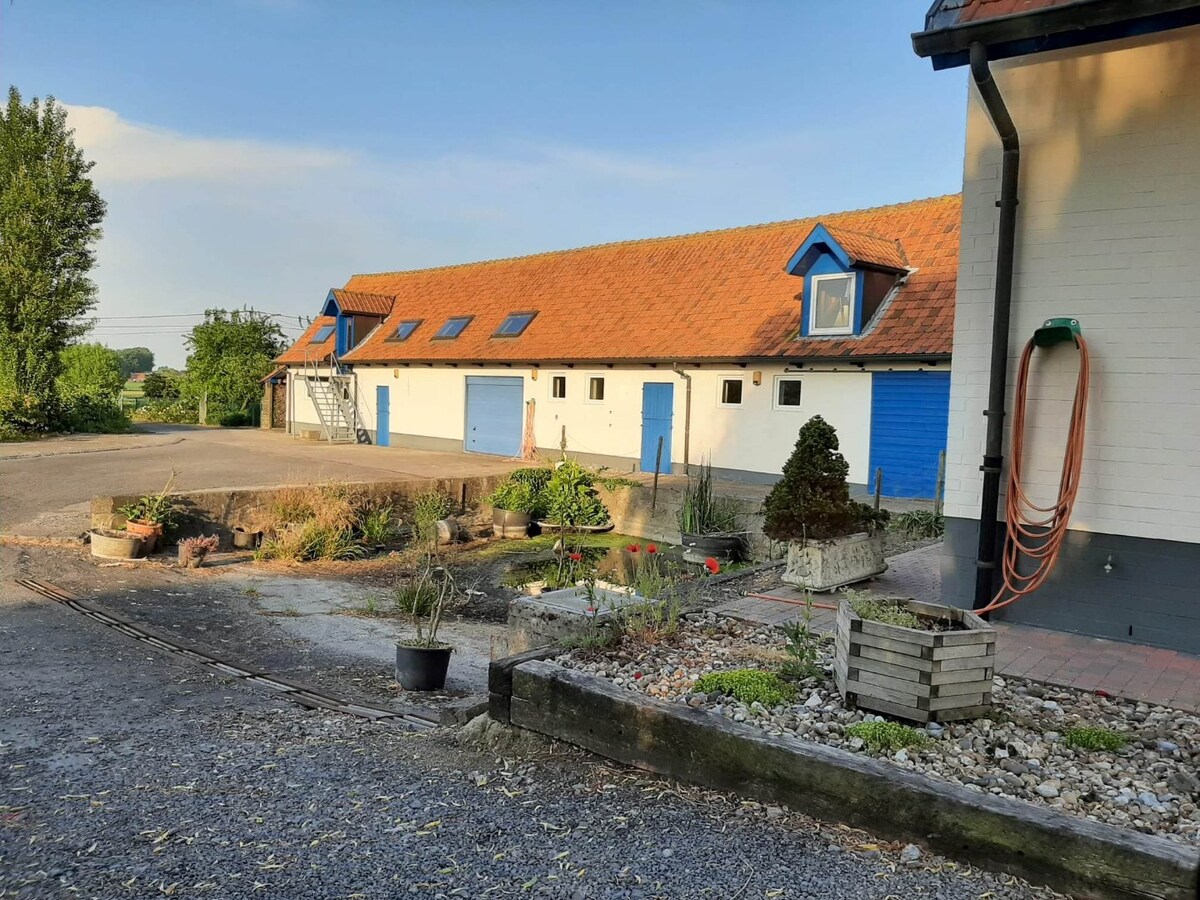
[[1035, 532]]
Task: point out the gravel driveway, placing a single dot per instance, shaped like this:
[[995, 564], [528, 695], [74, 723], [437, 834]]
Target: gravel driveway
[[124, 773]]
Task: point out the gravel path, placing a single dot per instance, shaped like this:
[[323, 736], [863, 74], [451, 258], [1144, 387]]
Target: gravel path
[[128, 774]]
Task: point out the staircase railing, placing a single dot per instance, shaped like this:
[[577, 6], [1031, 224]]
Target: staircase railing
[[333, 398]]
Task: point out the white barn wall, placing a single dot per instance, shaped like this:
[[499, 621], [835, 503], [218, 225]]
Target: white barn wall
[[428, 405], [1108, 232]]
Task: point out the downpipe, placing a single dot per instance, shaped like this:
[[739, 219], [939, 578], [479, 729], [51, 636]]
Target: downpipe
[[993, 453], [687, 417]]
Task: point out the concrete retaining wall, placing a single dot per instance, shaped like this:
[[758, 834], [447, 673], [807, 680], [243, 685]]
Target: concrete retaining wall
[[1067, 853]]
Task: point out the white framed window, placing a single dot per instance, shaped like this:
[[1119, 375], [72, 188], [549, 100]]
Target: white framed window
[[787, 392], [595, 393], [831, 310], [558, 386], [729, 391]]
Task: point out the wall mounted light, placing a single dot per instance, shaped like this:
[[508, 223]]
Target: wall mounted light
[[533, 375], [756, 378]]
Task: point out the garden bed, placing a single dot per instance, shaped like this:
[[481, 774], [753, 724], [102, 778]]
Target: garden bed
[[1033, 747]]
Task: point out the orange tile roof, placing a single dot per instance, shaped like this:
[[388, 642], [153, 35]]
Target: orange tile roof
[[870, 249], [304, 350], [363, 303], [716, 295], [978, 10]]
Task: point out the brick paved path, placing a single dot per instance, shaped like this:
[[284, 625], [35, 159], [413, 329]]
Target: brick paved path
[[1134, 671]]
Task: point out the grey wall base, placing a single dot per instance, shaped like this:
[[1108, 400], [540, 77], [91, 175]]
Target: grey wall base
[[1066, 852], [1149, 596]]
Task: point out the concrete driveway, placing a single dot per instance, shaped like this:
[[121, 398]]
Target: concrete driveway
[[55, 479]]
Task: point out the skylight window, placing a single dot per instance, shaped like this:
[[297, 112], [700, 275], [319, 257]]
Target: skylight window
[[322, 334], [405, 329], [453, 328], [514, 324]]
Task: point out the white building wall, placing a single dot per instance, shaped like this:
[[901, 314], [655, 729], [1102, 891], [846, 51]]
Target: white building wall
[[429, 403], [1108, 232]]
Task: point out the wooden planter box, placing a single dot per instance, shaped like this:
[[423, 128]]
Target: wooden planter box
[[923, 676]]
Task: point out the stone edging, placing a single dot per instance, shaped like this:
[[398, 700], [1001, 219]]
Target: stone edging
[[1045, 846]]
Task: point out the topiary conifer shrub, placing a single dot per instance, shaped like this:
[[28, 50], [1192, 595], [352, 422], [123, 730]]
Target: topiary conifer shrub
[[812, 499]]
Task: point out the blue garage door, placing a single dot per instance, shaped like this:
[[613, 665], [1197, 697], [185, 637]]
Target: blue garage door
[[909, 415], [495, 413]]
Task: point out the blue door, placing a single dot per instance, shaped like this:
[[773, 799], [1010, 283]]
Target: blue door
[[910, 412], [495, 415], [658, 405], [383, 419]]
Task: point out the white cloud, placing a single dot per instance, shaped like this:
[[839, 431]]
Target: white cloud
[[126, 151]]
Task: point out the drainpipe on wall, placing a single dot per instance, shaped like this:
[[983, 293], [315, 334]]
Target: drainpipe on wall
[[687, 417], [993, 453]]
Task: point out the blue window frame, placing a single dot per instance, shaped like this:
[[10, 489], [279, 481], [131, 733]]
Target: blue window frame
[[454, 326], [322, 334], [514, 324], [405, 330]]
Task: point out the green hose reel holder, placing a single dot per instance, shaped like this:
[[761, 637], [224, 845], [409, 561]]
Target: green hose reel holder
[[1057, 331]]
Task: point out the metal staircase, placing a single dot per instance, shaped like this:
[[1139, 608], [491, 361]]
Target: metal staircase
[[333, 398]]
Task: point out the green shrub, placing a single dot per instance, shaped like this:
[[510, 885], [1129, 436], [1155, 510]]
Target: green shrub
[[378, 525], [27, 415], [235, 420], [920, 523], [171, 412], [703, 513], [812, 499], [519, 496], [1093, 737], [748, 686], [571, 499], [313, 540], [887, 737], [535, 478], [428, 509], [94, 415]]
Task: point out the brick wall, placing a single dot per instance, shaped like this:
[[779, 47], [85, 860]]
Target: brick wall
[[1108, 232]]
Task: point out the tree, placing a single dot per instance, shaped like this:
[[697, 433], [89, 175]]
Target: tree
[[90, 370], [231, 352], [162, 384], [50, 215], [136, 359], [812, 499]]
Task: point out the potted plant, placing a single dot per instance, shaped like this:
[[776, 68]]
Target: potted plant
[[571, 500], [193, 550], [109, 544], [709, 525], [150, 515], [832, 540], [518, 501], [425, 596]]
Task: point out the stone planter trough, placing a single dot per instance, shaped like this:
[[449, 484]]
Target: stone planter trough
[[910, 673], [826, 565]]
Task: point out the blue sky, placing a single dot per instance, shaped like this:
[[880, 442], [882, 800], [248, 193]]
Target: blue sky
[[258, 152]]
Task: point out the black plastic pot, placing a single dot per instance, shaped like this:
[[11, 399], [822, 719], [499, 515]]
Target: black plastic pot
[[721, 547], [422, 668]]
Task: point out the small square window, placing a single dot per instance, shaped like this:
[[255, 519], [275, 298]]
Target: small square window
[[405, 330], [596, 389], [453, 328], [731, 392], [832, 304], [514, 324], [322, 334], [787, 393], [558, 387]]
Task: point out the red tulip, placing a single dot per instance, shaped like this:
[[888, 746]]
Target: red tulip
[[634, 548], [637, 674], [712, 565], [650, 548], [575, 557]]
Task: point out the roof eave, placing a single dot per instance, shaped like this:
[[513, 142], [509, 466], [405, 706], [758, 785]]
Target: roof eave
[[938, 356], [1053, 28]]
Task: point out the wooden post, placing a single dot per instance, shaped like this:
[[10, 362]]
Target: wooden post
[[940, 492], [204, 409], [562, 443], [878, 487], [657, 467]]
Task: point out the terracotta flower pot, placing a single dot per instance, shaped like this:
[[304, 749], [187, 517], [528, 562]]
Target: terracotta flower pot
[[150, 532]]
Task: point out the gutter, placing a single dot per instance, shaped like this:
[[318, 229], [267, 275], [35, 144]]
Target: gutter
[[993, 453], [687, 417]]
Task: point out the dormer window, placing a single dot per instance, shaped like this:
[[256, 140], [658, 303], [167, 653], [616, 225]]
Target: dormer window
[[832, 307]]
